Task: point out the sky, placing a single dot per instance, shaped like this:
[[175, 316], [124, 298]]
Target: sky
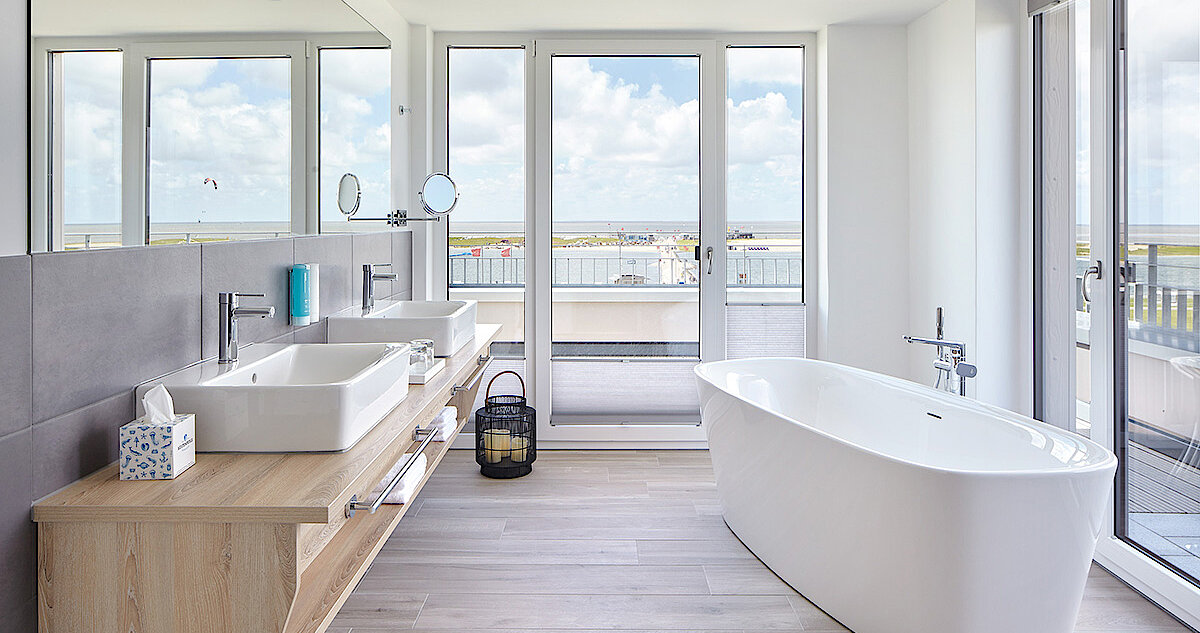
[[626, 134]]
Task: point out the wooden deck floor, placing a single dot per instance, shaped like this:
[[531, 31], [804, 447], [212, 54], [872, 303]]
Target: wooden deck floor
[[591, 541]]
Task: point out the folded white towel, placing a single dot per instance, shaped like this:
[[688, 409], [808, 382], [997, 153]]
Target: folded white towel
[[445, 424], [407, 488]]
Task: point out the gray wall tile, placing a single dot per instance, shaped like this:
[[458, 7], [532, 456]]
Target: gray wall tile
[[402, 243], [250, 266], [16, 529], [371, 248], [79, 443], [315, 333], [335, 255], [16, 344], [104, 321]]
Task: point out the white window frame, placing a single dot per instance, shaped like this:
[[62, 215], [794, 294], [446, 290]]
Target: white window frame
[[302, 50], [713, 295]]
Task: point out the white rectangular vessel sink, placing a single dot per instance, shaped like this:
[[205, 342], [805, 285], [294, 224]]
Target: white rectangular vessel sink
[[290, 398], [450, 324]]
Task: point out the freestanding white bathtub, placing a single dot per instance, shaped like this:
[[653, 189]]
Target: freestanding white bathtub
[[897, 508]]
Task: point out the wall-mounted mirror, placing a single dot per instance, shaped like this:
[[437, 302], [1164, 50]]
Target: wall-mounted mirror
[[439, 194], [161, 123], [349, 194]]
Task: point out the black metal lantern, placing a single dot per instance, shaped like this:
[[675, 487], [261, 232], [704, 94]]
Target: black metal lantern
[[505, 433]]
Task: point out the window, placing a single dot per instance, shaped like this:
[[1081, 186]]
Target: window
[[486, 158], [220, 149], [764, 188], [85, 149], [355, 131]]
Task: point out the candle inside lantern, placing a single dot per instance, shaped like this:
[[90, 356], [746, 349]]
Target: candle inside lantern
[[519, 446], [497, 443]]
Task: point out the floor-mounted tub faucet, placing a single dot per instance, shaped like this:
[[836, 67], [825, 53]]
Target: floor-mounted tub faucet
[[369, 279], [229, 314], [951, 360]]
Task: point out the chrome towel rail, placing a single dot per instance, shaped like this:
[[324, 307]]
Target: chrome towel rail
[[474, 377], [356, 505]]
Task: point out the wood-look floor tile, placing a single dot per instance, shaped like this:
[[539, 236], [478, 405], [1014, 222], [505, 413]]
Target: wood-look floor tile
[[661, 474], [607, 612], [509, 552], [746, 579], [602, 507], [485, 576], [693, 552], [510, 490], [684, 458], [602, 540], [1124, 613], [647, 528], [490, 630], [414, 526], [388, 609], [812, 618]]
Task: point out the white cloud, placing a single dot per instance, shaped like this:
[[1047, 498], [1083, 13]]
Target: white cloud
[[622, 152]]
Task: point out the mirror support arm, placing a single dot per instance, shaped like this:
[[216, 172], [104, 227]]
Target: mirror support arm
[[398, 217]]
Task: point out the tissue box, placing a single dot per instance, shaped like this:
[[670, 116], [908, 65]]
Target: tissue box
[[158, 451]]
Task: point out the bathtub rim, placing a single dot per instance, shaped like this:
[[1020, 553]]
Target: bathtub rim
[[1109, 462]]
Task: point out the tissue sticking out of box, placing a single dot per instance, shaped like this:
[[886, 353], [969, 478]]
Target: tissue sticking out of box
[[160, 409]]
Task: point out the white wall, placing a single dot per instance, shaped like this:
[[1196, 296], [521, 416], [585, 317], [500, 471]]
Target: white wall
[[863, 297], [942, 237], [969, 248], [1003, 225], [14, 126]]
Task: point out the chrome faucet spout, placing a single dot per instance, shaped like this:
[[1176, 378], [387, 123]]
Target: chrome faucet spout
[[230, 312], [951, 360], [369, 279]]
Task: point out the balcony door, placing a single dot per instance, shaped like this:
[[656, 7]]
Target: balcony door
[[629, 235], [1119, 256]]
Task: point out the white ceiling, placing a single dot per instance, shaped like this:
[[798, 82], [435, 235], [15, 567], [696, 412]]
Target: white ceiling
[[161, 17], [664, 15]]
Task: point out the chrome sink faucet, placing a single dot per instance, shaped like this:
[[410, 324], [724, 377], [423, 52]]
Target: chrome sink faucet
[[229, 314], [951, 359], [369, 279]]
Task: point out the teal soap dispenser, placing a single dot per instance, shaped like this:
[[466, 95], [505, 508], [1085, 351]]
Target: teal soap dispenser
[[301, 302]]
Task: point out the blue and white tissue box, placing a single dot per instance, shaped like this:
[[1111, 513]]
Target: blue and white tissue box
[[157, 451]]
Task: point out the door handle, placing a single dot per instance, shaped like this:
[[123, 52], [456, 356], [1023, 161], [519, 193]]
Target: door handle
[[708, 255], [1096, 272]]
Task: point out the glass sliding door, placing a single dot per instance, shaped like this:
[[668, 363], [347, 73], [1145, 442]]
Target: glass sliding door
[[1158, 433], [626, 255]]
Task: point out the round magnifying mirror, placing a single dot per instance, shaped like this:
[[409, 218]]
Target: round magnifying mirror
[[438, 195], [349, 194]]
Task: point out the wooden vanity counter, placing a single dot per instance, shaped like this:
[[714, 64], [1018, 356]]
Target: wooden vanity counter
[[241, 542]]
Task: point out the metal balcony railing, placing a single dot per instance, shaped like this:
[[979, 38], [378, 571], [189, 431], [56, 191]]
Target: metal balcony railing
[[491, 271], [1163, 294]]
